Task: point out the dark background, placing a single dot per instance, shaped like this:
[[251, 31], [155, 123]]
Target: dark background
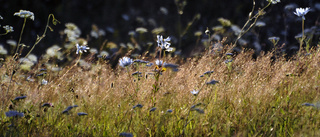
[[108, 15]]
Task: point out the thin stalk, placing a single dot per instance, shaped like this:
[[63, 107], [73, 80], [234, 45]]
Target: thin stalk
[[302, 38], [18, 45], [134, 90]]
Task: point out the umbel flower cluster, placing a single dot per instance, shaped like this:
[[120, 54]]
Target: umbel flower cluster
[[25, 14]]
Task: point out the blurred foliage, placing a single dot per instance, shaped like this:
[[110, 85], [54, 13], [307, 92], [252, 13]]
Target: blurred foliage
[[177, 17]]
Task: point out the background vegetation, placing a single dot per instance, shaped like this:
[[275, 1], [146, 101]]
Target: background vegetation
[[258, 87]]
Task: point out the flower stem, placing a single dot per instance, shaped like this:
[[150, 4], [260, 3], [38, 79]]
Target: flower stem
[[23, 26]]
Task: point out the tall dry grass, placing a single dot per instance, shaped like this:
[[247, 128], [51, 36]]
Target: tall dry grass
[[254, 97]]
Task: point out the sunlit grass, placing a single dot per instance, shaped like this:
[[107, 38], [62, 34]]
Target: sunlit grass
[[257, 97]]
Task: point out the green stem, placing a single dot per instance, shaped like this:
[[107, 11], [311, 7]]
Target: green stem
[[302, 38], [134, 90], [42, 36], [18, 45]]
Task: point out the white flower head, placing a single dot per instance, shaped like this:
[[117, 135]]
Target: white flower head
[[125, 61], [274, 1], [164, 43], [44, 82], [159, 62], [25, 14], [301, 12], [81, 49], [8, 28], [194, 92]]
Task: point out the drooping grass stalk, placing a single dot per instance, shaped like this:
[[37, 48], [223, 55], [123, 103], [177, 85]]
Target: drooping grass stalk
[[207, 32], [75, 64], [54, 22], [16, 56], [156, 83]]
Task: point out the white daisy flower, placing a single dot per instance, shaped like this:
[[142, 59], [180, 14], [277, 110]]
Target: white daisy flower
[[125, 61], [301, 12]]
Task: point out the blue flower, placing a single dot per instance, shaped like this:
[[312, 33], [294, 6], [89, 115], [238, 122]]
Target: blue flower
[[14, 113], [82, 114], [169, 111], [138, 73], [301, 12], [20, 98], [207, 73], [228, 61], [81, 49], [152, 109], [138, 105], [68, 109], [47, 105], [125, 61], [308, 104], [124, 134], [212, 82], [168, 65]]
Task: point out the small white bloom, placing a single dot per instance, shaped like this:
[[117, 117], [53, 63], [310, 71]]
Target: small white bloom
[[194, 92], [72, 31], [159, 62], [164, 43], [25, 14], [8, 28], [260, 24], [301, 12], [81, 49], [274, 1], [169, 49], [44, 82], [125, 61], [274, 40]]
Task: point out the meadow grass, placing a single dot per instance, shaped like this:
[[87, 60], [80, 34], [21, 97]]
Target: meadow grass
[[254, 97]]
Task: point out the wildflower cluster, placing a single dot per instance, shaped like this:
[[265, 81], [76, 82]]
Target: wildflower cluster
[[8, 28], [164, 43], [25, 14], [81, 48], [72, 31], [125, 61]]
